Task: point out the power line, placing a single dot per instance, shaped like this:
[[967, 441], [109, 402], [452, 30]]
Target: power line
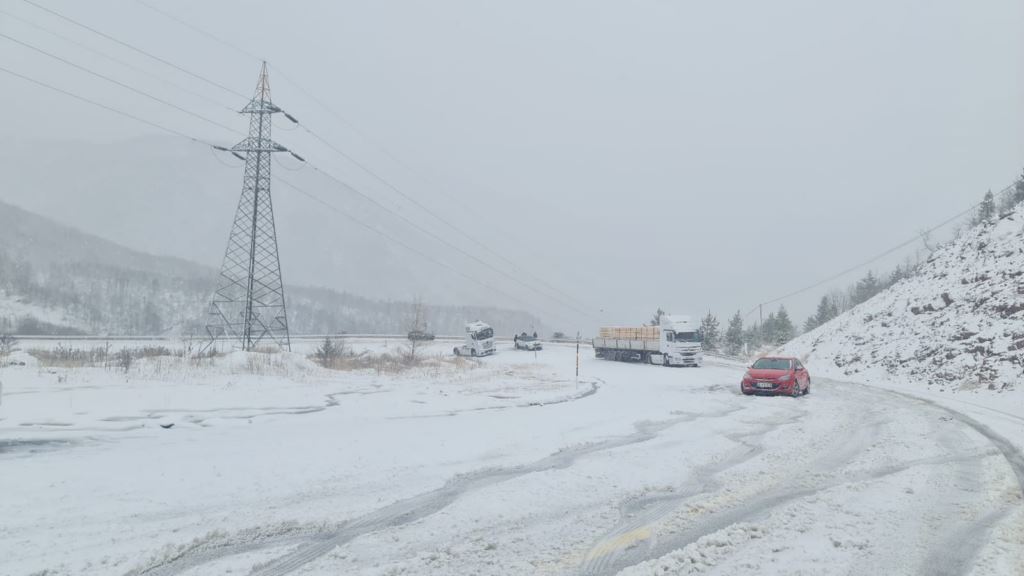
[[405, 196], [340, 182], [431, 212], [118, 82], [383, 149], [195, 28], [105, 107], [564, 298], [403, 244], [438, 238], [879, 256], [128, 65], [134, 48]]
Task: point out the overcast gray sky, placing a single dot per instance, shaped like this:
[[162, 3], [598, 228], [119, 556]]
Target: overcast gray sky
[[690, 155]]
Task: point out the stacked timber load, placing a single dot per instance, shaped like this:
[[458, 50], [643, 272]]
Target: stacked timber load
[[631, 333]]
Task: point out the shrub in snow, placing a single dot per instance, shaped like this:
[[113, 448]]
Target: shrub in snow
[[329, 353]]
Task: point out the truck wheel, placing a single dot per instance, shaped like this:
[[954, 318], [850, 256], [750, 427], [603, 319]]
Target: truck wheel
[[472, 352], [456, 352]]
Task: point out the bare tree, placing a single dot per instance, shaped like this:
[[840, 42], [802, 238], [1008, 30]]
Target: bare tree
[[417, 323], [656, 319], [124, 359], [7, 344]]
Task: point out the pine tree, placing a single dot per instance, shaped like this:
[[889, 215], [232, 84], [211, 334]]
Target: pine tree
[[898, 273], [752, 337], [734, 335], [768, 329], [865, 288], [987, 208], [328, 353], [811, 323], [709, 330], [826, 311], [1018, 190], [784, 330]]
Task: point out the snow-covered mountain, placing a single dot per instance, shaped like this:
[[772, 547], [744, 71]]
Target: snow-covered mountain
[[56, 279], [958, 323]]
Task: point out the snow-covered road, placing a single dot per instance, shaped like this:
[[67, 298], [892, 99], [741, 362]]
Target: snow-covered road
[[508, 468]]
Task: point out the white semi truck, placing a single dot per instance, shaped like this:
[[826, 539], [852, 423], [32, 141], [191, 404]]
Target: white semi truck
[[677, 342], [479, 340]]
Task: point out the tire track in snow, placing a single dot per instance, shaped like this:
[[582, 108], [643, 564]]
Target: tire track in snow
[[594, 387], [757, 507], [960, 548], [621, 548], [640, 513], [954, 551], [404, 511], [1010, 452]]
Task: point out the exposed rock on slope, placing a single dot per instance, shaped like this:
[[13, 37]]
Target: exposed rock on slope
[[958, 323]]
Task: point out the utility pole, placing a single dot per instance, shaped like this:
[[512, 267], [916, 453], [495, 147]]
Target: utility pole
[[248, 306]]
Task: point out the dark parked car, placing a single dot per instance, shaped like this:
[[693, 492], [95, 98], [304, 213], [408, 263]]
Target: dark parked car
[[420, 335]]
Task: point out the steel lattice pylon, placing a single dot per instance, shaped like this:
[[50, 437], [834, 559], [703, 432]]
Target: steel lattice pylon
[[248, 306]]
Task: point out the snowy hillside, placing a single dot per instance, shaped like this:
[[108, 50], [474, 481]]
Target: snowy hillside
[[58, 280], [181, 199], [958, 323]]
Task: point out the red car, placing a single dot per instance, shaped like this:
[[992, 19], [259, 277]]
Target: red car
[[772, 375]]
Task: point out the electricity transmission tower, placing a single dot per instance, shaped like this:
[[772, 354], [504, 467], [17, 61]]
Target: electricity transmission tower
[[248, 306]]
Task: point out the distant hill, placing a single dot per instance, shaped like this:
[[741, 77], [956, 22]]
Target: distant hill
[[56, 279], [957, 323], [162, 195]]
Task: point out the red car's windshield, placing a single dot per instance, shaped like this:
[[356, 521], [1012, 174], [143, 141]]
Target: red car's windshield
[[772, 364]]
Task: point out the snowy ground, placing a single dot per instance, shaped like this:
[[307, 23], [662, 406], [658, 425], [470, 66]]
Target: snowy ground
[[507, 465]]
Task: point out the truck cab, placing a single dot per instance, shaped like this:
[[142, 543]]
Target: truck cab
[[680, 342], [479, 340]]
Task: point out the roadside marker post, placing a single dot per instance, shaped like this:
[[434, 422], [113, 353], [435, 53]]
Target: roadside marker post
[[577, 359]]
